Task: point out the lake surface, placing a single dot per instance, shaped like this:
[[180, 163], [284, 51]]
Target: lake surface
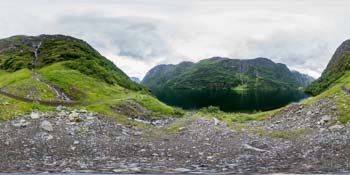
[[229, 100]]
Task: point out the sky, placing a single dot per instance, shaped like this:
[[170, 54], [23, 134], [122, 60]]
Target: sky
[[140, 34]]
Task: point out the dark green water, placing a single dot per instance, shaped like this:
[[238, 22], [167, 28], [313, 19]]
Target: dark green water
[[229, 100]]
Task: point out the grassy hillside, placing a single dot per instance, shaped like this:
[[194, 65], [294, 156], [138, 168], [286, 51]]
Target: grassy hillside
[[339, 92], [17, 53], [75, 68], [336, 68]]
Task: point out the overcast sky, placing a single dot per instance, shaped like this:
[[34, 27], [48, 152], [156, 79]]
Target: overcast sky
[[139, 34]]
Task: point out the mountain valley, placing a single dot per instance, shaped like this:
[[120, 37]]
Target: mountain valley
[[64, 108]]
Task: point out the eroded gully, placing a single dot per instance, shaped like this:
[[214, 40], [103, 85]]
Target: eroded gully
[[60, 95]]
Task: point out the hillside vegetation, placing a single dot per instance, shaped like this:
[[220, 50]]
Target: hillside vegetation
[[69, 66], [338, 66], [225, 73]]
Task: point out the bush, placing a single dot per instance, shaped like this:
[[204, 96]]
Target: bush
[[210, 109]]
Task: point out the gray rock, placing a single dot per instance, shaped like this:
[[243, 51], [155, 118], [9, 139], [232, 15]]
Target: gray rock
[[336, 127], [324, 120], [35, 115], [120, 170], [19, 124], [60, 108], [47, 126], [62, 114], [82, 111], [135, 169], [49, 137], [74, 117], [182, 170], [216, 121]]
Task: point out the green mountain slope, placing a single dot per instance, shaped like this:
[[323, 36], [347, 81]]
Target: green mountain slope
[[338, 66], [49, 70], [17, 53], [225, 73], [335, 82]]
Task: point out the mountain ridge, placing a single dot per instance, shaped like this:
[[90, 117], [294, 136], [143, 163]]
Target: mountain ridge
[[336, 68], [240, 72]]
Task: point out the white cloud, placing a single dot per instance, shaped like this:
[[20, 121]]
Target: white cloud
[[139, 34]]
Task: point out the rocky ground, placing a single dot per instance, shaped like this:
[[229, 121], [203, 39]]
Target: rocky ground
[[298, 139]]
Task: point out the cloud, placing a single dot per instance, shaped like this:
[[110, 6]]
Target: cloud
[[139, 34], [135, 37]]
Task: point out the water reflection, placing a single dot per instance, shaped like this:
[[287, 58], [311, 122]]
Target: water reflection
[[229, 100]]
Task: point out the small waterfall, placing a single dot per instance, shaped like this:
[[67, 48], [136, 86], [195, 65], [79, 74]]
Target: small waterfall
[[61, 95]]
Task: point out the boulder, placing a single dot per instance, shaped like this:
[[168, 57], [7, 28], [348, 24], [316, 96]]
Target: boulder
[[35, 115], [46, 126]]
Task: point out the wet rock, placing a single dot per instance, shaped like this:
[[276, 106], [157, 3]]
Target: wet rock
[[46, 126]]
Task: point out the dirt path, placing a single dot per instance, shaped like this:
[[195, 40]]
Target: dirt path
[[58, 103]]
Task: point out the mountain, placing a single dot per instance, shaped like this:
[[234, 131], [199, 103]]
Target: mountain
[[17, 53], [304, 79], [336, 68], [135, 79], [48, 70], [334, 83], [225, 73]]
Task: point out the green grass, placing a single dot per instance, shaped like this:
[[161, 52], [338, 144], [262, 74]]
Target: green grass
[[86, 89], [105, 108], [23, 84], [10, 108], [76, 68], [344, 119], [236, 117], [241, 88], [288, 134], [79, 86], [58, 48], [335, 92]]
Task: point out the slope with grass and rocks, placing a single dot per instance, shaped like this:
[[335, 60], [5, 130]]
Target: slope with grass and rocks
[[61, 70], [312, 136]]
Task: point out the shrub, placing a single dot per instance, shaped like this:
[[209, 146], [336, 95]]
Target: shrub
[[210, 109]]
